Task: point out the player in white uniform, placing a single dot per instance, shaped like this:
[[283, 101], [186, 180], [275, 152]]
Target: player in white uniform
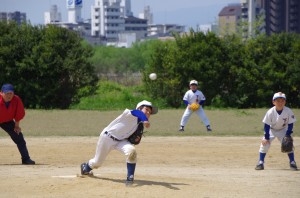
[[191, 96], [278, 122], [115, 135]]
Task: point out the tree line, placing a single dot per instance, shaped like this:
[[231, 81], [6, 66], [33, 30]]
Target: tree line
[[53, 67], [50, 67], [232, 72]]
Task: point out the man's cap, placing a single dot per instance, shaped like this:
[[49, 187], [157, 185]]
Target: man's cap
[[194, 82], [7, 88], [149, 104], [279, 95]]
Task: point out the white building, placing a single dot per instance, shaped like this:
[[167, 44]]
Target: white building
[[74, 8], [113, 19], [126, 8], [112, 23], [161, 30], [107, 20], [252, 18], [147, 14], [53, 16], [74, 11]]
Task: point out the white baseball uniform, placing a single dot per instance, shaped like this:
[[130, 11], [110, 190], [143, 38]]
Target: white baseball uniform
[[114, 136], [278, 125], [193, 97]]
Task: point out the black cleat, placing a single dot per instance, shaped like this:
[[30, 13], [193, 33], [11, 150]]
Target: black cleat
[[293, 166], [85, 169], [259, 167], [129, 181], [28, 162]]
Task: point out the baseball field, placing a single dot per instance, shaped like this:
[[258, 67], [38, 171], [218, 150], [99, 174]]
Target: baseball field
[[170, 164]]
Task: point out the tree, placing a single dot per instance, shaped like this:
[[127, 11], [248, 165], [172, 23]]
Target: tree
[[49, 65]]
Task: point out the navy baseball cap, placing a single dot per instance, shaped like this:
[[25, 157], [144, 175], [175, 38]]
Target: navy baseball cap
[[7, 88]]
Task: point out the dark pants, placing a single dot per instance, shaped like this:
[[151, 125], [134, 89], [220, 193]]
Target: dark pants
[[17, 138]]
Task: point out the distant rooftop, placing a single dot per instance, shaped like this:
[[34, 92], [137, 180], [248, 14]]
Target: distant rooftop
[[231, 9]]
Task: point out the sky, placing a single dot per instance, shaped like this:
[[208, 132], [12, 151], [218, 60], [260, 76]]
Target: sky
[[189, 13]]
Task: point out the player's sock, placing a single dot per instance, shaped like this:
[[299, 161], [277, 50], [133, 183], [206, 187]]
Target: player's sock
[[291, 157], [262, 157], [130, 171]]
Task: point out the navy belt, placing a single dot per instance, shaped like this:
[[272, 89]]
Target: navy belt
[[112, 137]]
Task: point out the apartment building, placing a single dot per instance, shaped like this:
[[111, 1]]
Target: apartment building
[[229, 19], [107, 19], [281, 15], [253, 18], [17, 16], [260, 16]]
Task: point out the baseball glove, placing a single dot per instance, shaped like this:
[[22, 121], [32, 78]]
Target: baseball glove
[[136, 137], [287, 144], [194, 106]]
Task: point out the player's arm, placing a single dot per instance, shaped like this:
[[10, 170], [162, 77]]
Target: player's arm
[[141, 117], [139, 114], [186, 102], [201, 102], [290, 129], [266, 140]]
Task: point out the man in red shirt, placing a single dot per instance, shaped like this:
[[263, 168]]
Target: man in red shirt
[[11, 113]]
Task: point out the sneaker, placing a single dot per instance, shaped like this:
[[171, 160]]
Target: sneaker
[[293, 165], [208, 128], [259, 167], [181, 130], [28, 162], [85, 169]]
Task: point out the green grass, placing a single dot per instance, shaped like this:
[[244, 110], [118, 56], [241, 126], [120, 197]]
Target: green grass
[[224, 122], [113, 96]]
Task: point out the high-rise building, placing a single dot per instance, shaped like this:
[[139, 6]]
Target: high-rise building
[[53, 16], [126, 8], [18, 17], [110, 18], [253, 18], [260, 16], [281, 15], [3, 16], [107, 20], [147, 14]]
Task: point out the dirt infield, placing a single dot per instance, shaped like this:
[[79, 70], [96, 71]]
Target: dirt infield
[[187, 167]]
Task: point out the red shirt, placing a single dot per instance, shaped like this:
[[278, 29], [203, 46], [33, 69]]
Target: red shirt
[[15, 110]]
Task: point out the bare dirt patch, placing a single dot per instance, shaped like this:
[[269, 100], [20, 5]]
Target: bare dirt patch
[[167, 167]]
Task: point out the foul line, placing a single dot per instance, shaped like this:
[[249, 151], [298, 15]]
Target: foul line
[[73, 176], [64, 176]]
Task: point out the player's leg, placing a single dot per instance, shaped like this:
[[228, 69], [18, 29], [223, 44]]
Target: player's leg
[[290, 155], [19, 140], [184, 119], [104, 146], [263, 149], [200, 112], [131, 158]]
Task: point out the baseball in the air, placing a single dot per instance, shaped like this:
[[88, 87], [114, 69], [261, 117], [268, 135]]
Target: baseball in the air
[[153, 76]]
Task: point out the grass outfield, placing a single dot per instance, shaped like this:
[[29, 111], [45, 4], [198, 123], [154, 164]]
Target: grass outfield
[[229, 122]]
